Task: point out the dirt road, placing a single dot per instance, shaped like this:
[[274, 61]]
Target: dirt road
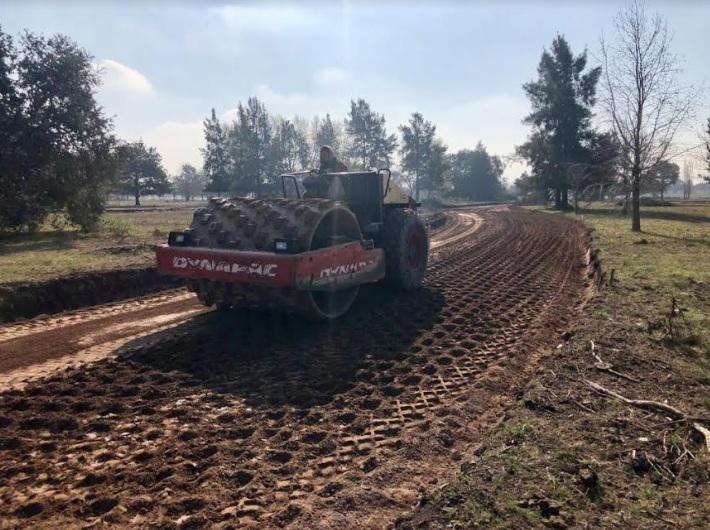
[[185, 417]]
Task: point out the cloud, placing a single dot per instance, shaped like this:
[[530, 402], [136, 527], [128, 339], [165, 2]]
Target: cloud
[[178, 143], [267, 19], [331, 77], [122, 78], [277, 103], [281, 103]]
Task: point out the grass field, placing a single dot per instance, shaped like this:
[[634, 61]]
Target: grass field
[[567, 455], [669, 259], [122, 240]]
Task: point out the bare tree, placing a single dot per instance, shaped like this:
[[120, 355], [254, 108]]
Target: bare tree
[[644, 98], [688, 170]]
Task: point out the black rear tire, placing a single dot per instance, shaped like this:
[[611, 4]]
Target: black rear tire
[[406, 245]]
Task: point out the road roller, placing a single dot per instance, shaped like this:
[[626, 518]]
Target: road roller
[[307, 252]]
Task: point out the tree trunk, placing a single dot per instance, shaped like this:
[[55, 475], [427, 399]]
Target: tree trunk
[[138, 199], [636, 202], [558, 199], [565, 198]]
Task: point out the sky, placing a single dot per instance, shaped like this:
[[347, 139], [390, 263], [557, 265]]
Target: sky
[[461, 64]]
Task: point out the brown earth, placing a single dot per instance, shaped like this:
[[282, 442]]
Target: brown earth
[[30, 299], [192, 418]]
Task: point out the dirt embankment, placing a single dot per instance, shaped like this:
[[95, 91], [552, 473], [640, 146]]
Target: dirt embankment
[[262, 420], [27, 300]]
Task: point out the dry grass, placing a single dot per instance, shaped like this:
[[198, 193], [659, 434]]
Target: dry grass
[[668, 259], [122, 240]]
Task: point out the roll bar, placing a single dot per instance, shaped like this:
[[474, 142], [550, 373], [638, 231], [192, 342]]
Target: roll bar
[[294, 174]]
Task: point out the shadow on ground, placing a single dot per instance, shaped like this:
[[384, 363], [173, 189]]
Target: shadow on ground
[[648, 214], [11, 243], [276, 359]]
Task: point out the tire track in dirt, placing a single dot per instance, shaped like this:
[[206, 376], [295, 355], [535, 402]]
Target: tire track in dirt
[[262, 420], [82, 316], [462, 225], [35, 348]]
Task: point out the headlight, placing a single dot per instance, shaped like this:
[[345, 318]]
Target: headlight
[[179, 239]]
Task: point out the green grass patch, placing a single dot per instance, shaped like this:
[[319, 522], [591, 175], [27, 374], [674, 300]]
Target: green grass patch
[[667, 260], [122, 240], [516, 433]]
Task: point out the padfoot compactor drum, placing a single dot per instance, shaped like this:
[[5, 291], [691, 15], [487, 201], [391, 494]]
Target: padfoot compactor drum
[[308, 254]]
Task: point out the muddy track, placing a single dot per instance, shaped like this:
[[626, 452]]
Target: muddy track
[[265, 420]]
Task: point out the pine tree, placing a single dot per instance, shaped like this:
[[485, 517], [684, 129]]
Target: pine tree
[[562, 99], [216, 160], [417, 143], [303, 145], [371, 146], [437, 168], [330, 133], [289, 148], [249, 148]]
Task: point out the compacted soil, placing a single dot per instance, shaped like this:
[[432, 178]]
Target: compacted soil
[[159, 413]]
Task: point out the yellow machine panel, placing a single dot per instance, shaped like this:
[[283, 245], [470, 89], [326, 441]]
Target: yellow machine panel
[[395, 194]]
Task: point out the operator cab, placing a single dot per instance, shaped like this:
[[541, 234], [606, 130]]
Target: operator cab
[[363, 192]]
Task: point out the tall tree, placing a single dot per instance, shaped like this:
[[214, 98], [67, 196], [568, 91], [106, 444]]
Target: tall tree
[[140, 171], [562, 99], [290, 150], [304, 150], [215, 155], [55, 142], [644, 98], [250, 148], [437, 168], [371, 146], [416, 147], [327, 132], [189, 182], [688, 170], [476, 175], [526, 185]]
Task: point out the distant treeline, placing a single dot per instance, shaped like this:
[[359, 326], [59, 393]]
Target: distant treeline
[[245, 155], [58, 151]]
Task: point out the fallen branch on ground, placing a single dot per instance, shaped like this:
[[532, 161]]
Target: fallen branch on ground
[[607, 367], [705, 433], [657, 407]]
